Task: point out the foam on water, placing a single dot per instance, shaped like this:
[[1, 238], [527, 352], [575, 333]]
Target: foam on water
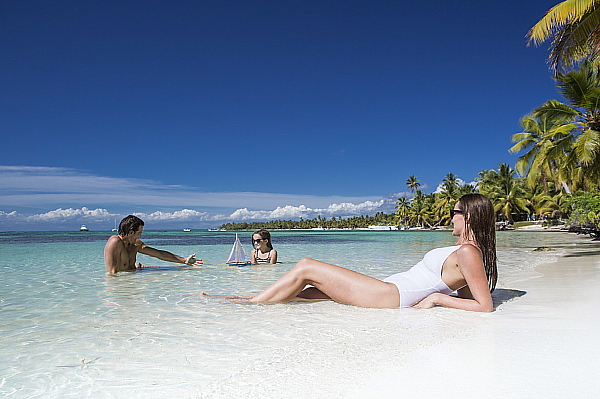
[[67, 330]]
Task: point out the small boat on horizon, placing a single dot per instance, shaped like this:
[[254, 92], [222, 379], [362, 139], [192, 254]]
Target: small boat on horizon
[[83, 228], [187, 230], [238, 256]]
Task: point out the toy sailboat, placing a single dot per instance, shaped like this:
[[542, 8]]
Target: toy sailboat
[[238, 256]]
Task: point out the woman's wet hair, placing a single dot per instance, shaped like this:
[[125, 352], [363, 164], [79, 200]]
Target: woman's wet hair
[[130, 223], [264, 234], [480, 220]]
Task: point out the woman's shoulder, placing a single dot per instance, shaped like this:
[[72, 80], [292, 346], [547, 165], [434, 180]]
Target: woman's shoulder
[[468, 246], [468, 250]]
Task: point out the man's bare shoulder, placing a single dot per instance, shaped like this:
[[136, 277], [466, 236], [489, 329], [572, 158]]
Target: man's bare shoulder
[[114, 240]]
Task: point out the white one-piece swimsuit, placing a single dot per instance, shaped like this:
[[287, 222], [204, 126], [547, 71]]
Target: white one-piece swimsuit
[[424, 278]]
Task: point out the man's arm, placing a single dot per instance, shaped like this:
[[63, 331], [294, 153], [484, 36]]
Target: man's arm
[[168, 256]]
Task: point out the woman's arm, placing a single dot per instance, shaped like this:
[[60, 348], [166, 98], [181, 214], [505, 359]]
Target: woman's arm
[[471, 266], [253, 260]]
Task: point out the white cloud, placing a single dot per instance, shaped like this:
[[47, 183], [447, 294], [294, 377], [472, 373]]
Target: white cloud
[[182, 216], [70, 213], [294, 212], [79, 197]]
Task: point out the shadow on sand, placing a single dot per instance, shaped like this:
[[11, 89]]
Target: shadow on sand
[[501, 295]]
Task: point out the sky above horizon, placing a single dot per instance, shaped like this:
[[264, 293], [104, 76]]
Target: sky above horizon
[[193, 114]]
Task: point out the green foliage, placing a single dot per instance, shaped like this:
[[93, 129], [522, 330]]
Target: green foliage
[[584, 209], [380, 218]]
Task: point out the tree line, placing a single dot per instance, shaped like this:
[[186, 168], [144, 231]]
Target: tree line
[[355, 222]]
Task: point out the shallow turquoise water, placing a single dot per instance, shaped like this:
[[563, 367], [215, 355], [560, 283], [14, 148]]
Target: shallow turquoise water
[[67, 330]]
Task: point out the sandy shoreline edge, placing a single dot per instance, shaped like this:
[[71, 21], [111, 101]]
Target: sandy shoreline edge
[[543, 344]]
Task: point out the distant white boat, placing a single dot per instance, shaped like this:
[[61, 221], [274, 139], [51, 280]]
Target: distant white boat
[[238, 256], [83, 228], [115, 228], [187, 230]]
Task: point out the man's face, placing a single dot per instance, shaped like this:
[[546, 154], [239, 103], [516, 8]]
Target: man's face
[[138, 233]]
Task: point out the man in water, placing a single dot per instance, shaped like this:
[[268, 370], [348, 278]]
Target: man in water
[[121, 250]]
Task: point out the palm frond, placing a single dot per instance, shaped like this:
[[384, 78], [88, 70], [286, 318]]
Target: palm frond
[[573, 42], [556, 110], [587, 146], [557, 16]]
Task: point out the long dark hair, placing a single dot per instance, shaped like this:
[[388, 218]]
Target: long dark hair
[[480, 220], [264, 234]]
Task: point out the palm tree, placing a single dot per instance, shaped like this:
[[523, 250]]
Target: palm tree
[[419, 210], [574, 28], [548, 204], [466, 189], [547, 142], [582, 90], [402, 209], [505, 191], [450, 183], [413, 183], [446, 198]]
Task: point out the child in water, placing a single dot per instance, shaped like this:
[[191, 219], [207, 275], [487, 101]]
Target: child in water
[[263, 252]]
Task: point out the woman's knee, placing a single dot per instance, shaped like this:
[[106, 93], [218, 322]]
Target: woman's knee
[[304, 265]]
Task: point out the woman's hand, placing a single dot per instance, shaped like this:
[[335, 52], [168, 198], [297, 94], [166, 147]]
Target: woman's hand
[[428, 302]]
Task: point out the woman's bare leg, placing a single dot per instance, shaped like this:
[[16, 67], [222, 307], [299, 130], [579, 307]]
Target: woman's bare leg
[[339, 284]]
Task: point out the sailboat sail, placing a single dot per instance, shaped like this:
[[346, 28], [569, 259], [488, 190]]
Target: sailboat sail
[[238, 255]]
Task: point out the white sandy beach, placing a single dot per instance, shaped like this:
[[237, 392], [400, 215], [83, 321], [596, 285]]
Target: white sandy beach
[[543, 344]]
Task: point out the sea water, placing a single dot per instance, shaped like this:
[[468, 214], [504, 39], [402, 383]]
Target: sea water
[[68, 330]]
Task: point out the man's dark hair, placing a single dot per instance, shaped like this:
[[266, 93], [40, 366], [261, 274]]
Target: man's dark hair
[[130, 223]]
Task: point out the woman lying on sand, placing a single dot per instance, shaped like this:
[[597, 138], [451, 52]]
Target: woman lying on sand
[[468, 267]]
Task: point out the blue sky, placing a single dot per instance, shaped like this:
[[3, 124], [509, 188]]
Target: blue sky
[[199, 113]]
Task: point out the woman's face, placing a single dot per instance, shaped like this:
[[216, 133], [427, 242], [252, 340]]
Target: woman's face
[[458, 221]]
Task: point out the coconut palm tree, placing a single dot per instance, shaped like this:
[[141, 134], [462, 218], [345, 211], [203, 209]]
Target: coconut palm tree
[[574, 26], [419, 210], [413, 183], [450, 183], [466, 189], [547, 142], [402, 209], [446, 198], [581, 88], [505, 191]]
